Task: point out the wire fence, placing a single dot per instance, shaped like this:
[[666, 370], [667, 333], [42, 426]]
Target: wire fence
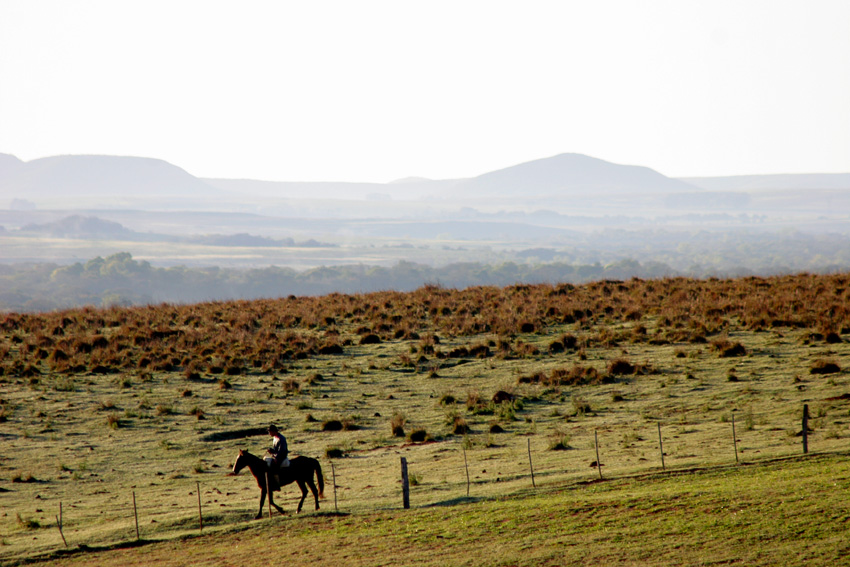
[[398, 477]]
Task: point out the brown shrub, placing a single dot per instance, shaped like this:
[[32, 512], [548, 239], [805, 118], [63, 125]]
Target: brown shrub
[[727, 349], [370, 339], [418, 436], [502, 396], [331, 348], [460, 426], [397, 425], [332, 425], [620, 367], [527, 327], [823, 366], [832, 338], [576, 376], [537, 378]]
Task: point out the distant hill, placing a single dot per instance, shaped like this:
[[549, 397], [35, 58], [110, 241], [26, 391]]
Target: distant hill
[[571, 174], [92, 182], [9, 165], [94, 228], [113, 179], [78, 226], [772, 182]]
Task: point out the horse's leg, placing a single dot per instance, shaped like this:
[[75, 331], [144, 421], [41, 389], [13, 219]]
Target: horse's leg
[[262, 501], [303, 495], [276, 507], [315, 491]]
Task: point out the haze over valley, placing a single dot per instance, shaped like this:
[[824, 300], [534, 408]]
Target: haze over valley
[[568, 217]]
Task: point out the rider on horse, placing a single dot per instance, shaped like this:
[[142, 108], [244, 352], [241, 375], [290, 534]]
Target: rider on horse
[[278, 450]]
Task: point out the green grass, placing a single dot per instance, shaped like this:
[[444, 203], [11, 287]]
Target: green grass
[[92, 446], [790, 511]]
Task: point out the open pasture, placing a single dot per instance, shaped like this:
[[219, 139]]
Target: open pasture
[[780, 513], [100, 406]]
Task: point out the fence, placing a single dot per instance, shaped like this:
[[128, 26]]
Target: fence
[[429, 473]]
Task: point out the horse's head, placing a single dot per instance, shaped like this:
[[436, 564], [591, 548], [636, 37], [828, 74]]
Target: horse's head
[[241, 461]]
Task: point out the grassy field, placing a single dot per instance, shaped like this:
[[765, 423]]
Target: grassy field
[[788, 512], [103, 406]]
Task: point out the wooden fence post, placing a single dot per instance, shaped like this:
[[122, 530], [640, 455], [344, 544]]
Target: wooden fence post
[[734, 438], [333, 474], [660, 447], [596, 442], [466, 464], [136, 516], [405, 484], [805, 428], [530, 463], [200, 514], [59, 524]]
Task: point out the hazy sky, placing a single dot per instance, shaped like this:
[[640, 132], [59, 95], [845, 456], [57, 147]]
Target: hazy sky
[[374, 91]]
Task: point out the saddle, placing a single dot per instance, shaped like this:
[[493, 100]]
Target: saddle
[[270, 463]]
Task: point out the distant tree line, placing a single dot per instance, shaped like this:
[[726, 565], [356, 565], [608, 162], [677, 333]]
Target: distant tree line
[[121, 280]]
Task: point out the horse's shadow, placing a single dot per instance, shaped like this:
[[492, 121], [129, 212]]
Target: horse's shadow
[[456, 501]]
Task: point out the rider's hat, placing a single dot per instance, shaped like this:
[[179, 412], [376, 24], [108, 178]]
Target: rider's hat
[[273, 428]]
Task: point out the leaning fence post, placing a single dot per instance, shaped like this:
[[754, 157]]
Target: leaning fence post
[[405, 484], [734, 438], [136, 516], [660, 447], [59, 524], [530, 463], [200, 514], [805, 428], [466, 464], [596, 442]]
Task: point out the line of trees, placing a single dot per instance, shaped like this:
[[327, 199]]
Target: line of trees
[[121, 280]]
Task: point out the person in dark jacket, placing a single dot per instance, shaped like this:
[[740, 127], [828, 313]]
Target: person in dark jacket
[[278, 450]]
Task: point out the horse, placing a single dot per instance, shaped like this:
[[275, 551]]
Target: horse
[[300, 470]]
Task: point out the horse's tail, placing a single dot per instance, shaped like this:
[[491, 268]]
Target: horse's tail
[[321, 479]]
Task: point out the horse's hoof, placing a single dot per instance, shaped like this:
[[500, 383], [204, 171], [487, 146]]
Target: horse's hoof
[[258, 516]]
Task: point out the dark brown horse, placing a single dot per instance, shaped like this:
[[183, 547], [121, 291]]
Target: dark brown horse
[[300, 470]]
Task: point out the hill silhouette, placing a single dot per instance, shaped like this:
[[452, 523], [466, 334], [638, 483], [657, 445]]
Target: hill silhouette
[[95, 176], [9, 165], [79, 226], [124, 182], [571, 174]]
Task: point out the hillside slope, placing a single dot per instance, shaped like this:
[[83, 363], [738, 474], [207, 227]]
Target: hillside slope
[[508, 399], [571, 174], [109, 178]]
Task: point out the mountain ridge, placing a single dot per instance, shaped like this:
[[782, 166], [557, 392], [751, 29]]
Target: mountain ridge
[[571, 174], [75, 181]]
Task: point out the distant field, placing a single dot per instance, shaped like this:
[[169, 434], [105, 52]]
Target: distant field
[[388, 253], [97, 405]]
